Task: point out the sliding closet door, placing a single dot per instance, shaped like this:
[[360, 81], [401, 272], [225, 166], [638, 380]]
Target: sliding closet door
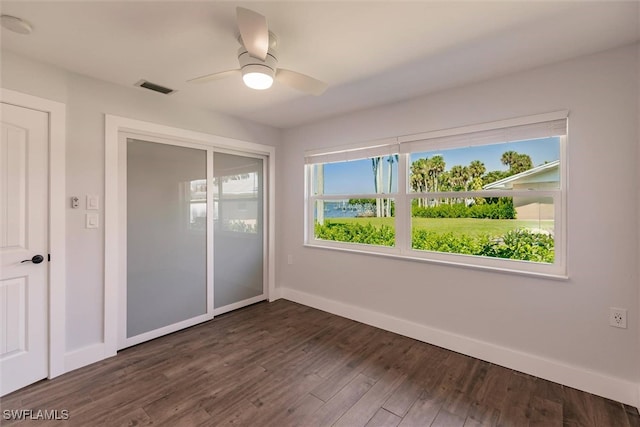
[[239, 233], [166, 239]]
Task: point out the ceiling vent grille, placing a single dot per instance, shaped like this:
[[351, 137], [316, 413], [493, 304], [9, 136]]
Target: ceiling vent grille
[[155, 87]]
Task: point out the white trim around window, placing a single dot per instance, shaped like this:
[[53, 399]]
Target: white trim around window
[[517, 129]]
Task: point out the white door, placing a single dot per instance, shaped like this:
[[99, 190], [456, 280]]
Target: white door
[[23, 247]]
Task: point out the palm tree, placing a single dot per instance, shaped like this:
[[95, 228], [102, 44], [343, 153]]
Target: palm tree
[[476, 169], [419, 177], [459, 178], [517, 162], [509, 158], [436, 169], [377, 177], [523, 163], [391, 159]]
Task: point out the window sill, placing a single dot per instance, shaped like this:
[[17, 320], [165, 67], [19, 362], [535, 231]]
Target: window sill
[[386, 253]]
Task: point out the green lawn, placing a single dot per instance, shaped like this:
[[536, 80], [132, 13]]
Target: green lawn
[[468, 226]]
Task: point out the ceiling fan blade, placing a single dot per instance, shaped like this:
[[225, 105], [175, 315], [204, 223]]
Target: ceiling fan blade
[[254, 32], [301, 82], [214, 76]]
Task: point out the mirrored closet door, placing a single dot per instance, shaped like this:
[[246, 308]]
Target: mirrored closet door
[[195, 235]]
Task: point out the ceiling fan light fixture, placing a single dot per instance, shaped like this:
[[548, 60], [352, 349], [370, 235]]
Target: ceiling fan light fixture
[[257, 76], [259, 67]]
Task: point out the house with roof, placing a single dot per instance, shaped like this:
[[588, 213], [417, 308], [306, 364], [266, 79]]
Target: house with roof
[[545, 176]]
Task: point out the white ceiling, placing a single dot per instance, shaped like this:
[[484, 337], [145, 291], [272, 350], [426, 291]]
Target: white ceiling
[[370, 53]]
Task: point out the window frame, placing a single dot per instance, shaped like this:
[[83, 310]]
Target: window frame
[[403, 218]]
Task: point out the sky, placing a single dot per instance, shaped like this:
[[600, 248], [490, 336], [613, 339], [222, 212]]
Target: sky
[[356, 176]]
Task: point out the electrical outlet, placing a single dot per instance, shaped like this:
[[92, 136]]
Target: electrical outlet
[[618, 317]]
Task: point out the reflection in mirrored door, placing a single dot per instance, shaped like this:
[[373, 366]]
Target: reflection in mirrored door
[[238, 195]]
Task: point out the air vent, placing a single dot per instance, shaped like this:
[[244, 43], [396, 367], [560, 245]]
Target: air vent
[[154, 87]]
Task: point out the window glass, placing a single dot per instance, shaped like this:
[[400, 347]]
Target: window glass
[[530, 164], [374, 175]]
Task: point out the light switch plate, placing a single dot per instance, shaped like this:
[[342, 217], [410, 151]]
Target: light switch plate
[[93, 202], [91, 220]]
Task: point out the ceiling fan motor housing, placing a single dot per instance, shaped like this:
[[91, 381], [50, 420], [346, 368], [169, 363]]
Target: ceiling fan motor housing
[[249, 64]]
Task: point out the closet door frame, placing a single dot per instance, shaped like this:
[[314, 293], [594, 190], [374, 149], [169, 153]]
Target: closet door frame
[[117, 130]]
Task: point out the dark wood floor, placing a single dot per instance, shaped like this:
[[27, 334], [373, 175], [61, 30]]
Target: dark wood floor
[[284, 364]]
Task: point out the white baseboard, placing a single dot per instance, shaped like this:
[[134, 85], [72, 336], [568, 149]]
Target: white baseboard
[[552, 370], [276, 294], [84, 356]]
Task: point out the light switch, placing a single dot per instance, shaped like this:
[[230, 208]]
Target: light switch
[[92, 220], [93, 202]]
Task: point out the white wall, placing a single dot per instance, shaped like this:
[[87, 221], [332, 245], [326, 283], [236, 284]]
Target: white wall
[[555, 329], [87, 101]]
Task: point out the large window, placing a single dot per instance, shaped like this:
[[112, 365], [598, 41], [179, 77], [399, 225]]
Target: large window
[[490, 196]]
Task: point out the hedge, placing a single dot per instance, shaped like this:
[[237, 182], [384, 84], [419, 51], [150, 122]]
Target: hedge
[[494, 209], [520, 244]]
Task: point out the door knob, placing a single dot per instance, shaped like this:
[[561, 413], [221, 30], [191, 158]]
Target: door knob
[[37, 259]]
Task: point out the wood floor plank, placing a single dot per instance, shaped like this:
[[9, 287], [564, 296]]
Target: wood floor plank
[[515, 409], [447, 419], [242, 415], [494, 388], [632, 416], [134, 417], [394, 348], [403, 397], [481, 414], [359, 341], [368, 405], [577, 408], [294, 413], [384, 418], [273, 402], [545, 413], [465, 383], [608, 411], [422, 412], [427, 373], [283, 364], [335, 407], [548, 390], [349, 370]]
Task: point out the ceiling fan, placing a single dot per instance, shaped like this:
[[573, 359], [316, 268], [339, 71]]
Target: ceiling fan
[[259, 59]]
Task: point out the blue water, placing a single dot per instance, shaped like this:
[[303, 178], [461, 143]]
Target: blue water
[[342, 210]]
